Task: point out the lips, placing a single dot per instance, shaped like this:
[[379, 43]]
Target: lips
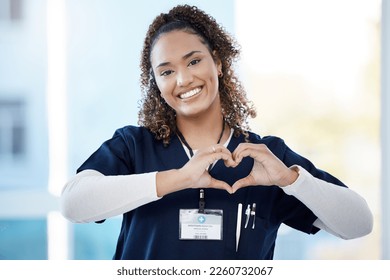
[[190, 93]]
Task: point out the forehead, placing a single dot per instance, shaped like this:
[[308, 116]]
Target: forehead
[[174, 45]]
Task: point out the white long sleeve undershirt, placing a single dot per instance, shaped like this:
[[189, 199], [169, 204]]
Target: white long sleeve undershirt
[[90, 196], [340, 211]]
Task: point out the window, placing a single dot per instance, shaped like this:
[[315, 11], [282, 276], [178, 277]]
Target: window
[[12, 129], [11, 10]]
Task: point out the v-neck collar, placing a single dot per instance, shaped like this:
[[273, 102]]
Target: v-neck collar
[[175, 156], [226, 144]]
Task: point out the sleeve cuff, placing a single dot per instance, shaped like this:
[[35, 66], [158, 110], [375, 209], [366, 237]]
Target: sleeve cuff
[[296, 187]]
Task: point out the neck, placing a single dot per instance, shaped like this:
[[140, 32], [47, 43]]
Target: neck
[[202, 132]]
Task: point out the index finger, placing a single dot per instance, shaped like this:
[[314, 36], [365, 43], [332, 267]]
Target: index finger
[[221, 152]]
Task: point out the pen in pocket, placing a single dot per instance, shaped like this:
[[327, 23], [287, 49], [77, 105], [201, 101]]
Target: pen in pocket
[[247, 214], [253, 213], [238, 226]]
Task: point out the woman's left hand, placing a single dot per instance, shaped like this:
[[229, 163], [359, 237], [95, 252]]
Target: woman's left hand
[[267, 169]]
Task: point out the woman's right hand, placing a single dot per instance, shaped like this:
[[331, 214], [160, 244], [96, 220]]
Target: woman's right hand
[[194, 174]]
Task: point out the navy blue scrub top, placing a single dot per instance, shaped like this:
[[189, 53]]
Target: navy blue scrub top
[[152, 230]]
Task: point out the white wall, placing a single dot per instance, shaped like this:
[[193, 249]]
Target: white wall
[[385, 88]]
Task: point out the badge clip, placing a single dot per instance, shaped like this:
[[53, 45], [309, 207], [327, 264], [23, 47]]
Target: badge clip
[[202, 202]]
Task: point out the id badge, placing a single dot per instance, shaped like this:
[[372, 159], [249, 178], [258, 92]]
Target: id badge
[[200, 226]]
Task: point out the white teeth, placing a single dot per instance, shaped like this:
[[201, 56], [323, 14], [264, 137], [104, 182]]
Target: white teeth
[[190, 93]]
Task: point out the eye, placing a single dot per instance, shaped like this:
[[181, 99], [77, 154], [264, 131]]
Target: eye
[[194, 62], [166, 73]]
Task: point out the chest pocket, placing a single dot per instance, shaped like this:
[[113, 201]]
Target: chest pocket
[[257, 242]]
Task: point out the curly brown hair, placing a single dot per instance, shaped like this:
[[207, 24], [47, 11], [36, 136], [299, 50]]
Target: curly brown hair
[[155, 114]]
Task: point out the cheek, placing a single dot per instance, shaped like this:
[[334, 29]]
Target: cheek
[[161, 87], [214, 81], [165, 91], [213, 75]]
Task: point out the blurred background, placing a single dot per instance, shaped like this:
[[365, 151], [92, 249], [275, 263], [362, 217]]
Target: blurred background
[[69, 76]]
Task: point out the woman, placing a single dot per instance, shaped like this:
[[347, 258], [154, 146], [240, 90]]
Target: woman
[[180, 178]]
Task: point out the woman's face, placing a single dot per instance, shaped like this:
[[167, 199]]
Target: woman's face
[[186, 73]]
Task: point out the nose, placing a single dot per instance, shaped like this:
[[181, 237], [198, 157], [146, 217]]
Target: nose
[[184, 78]]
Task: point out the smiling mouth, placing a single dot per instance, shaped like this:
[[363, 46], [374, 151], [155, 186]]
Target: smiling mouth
[[190, 93]]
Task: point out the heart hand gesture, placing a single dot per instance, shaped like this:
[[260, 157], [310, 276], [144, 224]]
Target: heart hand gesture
[[267, 170]]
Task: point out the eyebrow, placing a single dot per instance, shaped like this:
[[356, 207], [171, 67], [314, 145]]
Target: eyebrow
[[186, 56]]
